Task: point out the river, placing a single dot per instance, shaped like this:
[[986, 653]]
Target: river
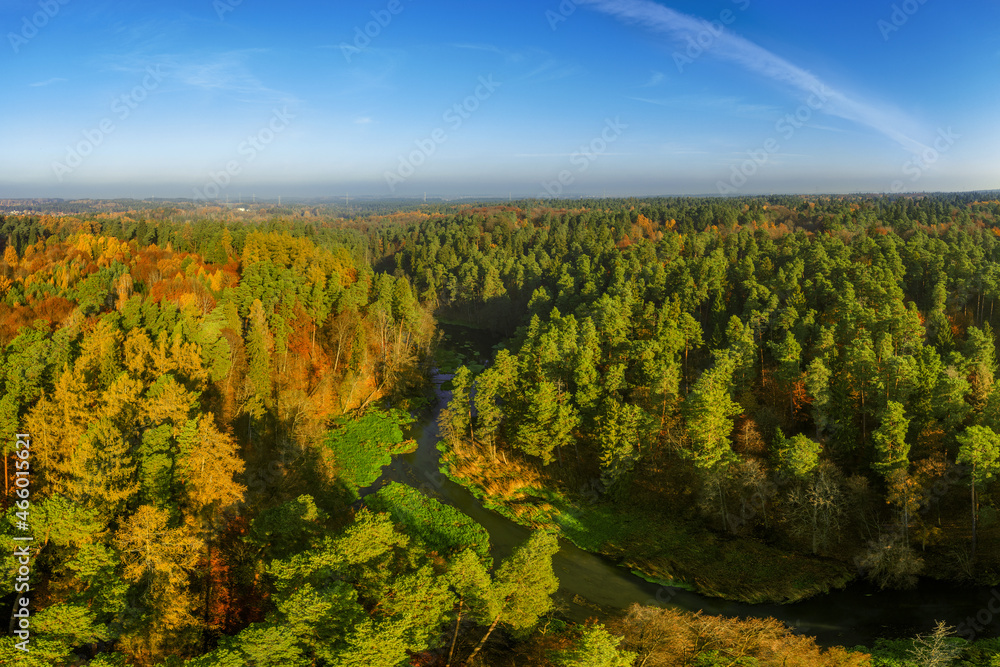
[[592, 585]]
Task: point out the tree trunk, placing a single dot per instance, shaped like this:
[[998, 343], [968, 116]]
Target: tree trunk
[[482, 642], [864, 420], [663, 417], [208, 592], [973, 486], [906, 519], [722, 507], [685, 368], [454, 638], [340, 347], [6, 484], [815, 529], [760, 346]]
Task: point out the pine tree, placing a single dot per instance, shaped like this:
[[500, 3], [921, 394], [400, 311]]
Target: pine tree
[[619, 433], [547, 423], [891, 448], [788, 354], [981, 364], [523, 586], [259, 347], [980, 449], [586, 376], [818, 386], [797, 456], [596, 647], [456, 419], [471, 582], [708, 414], [492, 387]]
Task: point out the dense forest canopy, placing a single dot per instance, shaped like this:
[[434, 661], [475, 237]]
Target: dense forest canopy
[[760, 397]]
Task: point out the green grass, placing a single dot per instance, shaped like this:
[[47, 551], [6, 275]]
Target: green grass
[[362, 446], [442, 528], [673, 583]]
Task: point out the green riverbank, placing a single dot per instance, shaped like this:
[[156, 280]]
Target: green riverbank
[[660, 548]]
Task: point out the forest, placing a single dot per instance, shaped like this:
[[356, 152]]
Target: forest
[[756, 399]]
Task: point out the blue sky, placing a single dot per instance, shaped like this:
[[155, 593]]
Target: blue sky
[[217, 98]]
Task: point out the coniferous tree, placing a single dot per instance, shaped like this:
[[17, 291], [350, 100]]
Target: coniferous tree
[[522, 587], [980, 450], [891, 448]]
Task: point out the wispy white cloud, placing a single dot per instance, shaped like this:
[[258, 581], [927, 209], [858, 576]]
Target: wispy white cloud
[[670, 151], [655, 79], [363, 120], [659, 103], [742, 154], [540, 65], [755, 110], [510, 56], [826, 128], [228, 73], [559, 154], [730, 47], [731, 105], [551, 70], [48, 82]]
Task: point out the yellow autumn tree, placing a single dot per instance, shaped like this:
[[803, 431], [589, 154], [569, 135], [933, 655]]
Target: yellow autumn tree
[[158, 561], [10, 256], [207, 464]]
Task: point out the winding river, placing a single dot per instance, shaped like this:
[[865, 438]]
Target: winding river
[[592, 585]]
